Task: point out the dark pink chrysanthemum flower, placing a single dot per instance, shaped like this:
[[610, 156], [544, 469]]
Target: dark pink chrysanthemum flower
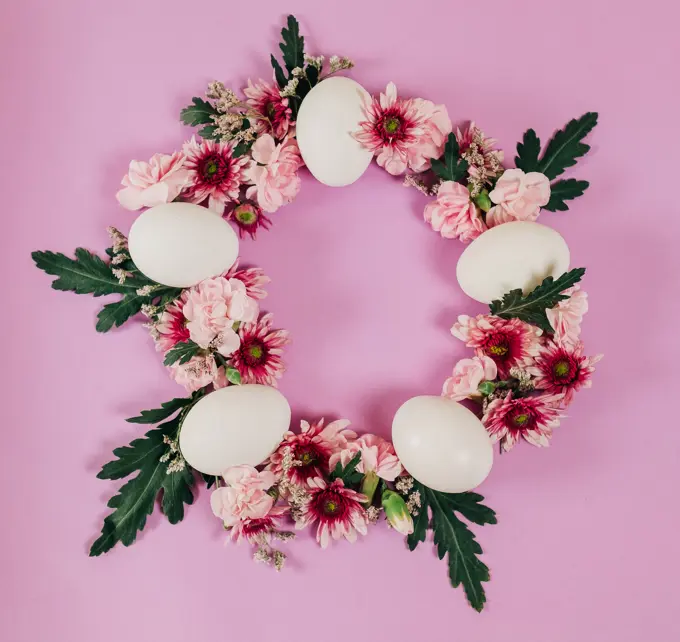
[[259, 530], [311, 449], [509, 342], [258, 358], [171, 327], [337, 509], [266, 99], [253, 278], [248, 217], [214, 173], [562, 369], [531, 418]]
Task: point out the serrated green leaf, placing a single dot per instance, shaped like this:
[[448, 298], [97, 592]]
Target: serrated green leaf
[[348, 474], [293, 45], [242, 148], [181, 352], [531, 308], [449, 167], [233, 376], [420, 521], [198, 113], [167, 409], [564, 190], [470, 506], [208, 132], [312, 73], [565, 147], [116, 314], [177, 492], [279, 74], [528, 151]]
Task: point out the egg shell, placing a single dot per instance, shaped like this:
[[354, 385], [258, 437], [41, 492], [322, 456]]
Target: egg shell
[[180, 244], [510, 256], [328, 115], [442, 444], [233, 426]]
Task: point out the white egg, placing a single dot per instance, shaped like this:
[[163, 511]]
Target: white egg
[[328, 115], [510, 256], [180, 244], [442, 444], [233, 426]]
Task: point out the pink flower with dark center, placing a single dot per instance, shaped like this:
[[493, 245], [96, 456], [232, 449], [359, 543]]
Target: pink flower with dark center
[[337, 509], [403, 133], [266, 99], [214, 173], [562, 370], [509, 342], [259, 530], [377, 455], [253, 278], [171, 327], [453, 214], [258, 358], [311, 449], [244, 496], [566, 316], [531, 418], [248, 218]]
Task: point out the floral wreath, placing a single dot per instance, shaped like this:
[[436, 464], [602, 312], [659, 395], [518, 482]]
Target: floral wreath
[[528, 358]]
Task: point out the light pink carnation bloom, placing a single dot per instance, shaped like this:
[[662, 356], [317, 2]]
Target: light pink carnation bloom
[[274, 174], [566, 316], [436, 129], [245, 495], [158, 181], [518, 197], [211, 309], [198, 372], [467, 375], [377, 455], [453, 214]]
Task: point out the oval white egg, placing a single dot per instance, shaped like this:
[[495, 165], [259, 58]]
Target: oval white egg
[[233, 426], [328, 115], [442, 444], [510, 256], [180, 244]]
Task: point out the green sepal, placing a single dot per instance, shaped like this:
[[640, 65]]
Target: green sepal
[[233, 376]]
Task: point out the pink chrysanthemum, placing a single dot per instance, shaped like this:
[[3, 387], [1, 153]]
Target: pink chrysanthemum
[[258, 358], [259, 531], [531, 418], [253, 278], [484, 162], [311, 450], [562, 369], [403, 133], [214, 173], [248, 218], [337, 509], [266, 99], [171, 327], [509, 342]]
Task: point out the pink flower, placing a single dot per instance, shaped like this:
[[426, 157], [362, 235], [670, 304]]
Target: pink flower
[[311, 449], [158, 181], [377, 455], [563, 370], [267, 100], [171, 327], [274, 173], [518, 197], [258, 358], [566, 316], [453, 214], [509, 342], [532, 418], [198, 372], [214, 173], [484, 162], [253, 278], [337, 509], [245, 495], [467, 375], [403, 133], [260, 529], [211, 309]]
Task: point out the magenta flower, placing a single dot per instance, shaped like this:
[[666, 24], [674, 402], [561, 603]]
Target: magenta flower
[[214, 173], [266, 100], [467, 375], [258, 358], [259, 530], [531, 418], [377, 455], [171, 327], [244, 496], [253, 278], [453, 214], [337, 509], [248, 218], [509, 342]]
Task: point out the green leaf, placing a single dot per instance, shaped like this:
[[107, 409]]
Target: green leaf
[[279, 74], [449, 167], [312, 75], [564, 190], [470, 506], [177, 492], [293, 45], [208, 132], [242, 148], [199, 113], [531, 308], [348, 474], [167, 409], [233, 376], [420, 526], [181, 352], [115, 314], [566, 145], [528, 151], [208, 479]]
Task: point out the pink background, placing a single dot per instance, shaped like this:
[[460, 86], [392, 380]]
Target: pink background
[[586, 545]]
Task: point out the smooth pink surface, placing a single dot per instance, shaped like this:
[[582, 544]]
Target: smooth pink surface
[[586, 545]]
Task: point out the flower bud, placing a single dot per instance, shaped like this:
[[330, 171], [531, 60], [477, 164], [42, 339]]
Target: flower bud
[[483, 201], [369, 485], [396, 512], [486, 387]]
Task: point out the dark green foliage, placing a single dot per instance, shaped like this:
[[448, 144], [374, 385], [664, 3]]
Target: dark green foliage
[[449, 167], [564, 190], [167, 409], [198, 113], [181, 352]]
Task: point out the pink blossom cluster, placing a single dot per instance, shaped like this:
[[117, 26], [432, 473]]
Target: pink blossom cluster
[[523, 377]]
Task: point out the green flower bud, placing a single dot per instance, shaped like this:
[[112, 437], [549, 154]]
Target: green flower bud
[[369, 484], [396, 512], [486, 387], [483, 201]]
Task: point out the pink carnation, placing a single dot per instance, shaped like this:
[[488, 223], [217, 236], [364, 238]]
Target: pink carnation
[[245, 495], [436, 129], [159, 181], [274, 174], [198, 372], [467, 375], [453, 214], [377, 455], [566, 316], [518, 197]]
